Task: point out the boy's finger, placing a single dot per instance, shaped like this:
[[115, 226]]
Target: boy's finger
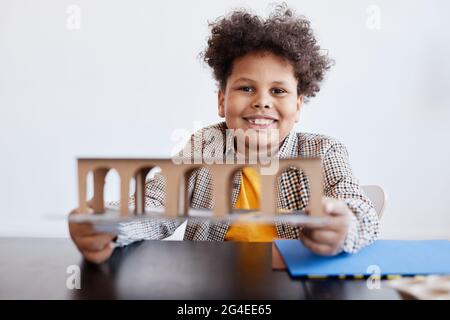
[[335, 207], [334, 223], [94, 243], [77, 211], [331, 206], [319, 248], [82, 229], [100, 256], [322, 236]]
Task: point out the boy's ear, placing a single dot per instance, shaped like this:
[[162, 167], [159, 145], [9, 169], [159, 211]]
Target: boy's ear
[[220, 103], [299, 107]]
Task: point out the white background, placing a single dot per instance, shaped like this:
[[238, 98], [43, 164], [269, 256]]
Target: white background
[[122, 83]]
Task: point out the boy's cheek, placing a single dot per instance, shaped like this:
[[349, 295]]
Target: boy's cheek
[[234, 120]]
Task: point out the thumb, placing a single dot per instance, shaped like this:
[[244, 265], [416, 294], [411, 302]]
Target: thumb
[[334, 207], [78, 211]]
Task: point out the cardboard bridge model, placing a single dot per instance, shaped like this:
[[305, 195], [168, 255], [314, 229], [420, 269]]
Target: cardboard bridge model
[[176, 176]]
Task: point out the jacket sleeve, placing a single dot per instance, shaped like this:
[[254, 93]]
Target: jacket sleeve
[[340, 183], [155, 229]]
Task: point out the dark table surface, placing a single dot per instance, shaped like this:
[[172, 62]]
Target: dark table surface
[[37, 268]]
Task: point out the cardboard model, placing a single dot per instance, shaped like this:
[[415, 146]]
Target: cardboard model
[[176, 175]]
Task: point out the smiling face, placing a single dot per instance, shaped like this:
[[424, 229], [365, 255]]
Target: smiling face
[[261, 94]]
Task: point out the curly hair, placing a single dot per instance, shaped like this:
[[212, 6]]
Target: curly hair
[[283, 34]]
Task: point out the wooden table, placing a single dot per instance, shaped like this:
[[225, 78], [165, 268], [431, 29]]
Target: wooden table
[[36, 268]]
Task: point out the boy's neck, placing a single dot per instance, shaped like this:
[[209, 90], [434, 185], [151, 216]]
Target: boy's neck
[[257, 152]]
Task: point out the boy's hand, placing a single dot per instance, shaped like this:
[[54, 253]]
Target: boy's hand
[[328, 240], [94, 246]]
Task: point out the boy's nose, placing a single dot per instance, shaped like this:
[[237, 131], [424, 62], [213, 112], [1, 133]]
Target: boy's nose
[[262, 106], [262, 102]]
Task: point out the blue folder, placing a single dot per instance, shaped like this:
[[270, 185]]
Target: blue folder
[[390, 257]]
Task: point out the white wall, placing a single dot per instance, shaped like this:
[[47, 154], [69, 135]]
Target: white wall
[[123, 82]]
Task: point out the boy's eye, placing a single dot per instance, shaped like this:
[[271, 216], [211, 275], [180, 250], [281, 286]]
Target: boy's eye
[[246, 89], [278, 91]]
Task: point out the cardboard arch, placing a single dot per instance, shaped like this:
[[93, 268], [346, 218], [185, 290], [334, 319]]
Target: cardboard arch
[[176, 176]]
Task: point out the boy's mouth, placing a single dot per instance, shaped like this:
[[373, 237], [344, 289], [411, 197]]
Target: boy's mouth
[[260, 122]]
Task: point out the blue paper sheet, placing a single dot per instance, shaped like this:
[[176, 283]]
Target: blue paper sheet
[[392, 257]]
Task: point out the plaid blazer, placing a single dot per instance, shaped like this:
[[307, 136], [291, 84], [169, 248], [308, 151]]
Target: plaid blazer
[[338, 182]]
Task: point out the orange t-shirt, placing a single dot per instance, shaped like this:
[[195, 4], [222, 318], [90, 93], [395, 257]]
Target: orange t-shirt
[[248, 198]]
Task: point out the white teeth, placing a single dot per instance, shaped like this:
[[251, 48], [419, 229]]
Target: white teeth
[[261, 121]]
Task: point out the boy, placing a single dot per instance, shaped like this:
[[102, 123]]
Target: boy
[[265, 70]]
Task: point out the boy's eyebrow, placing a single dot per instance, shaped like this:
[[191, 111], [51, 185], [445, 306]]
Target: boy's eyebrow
[[251, 80], [244, 79], [279, 82]]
